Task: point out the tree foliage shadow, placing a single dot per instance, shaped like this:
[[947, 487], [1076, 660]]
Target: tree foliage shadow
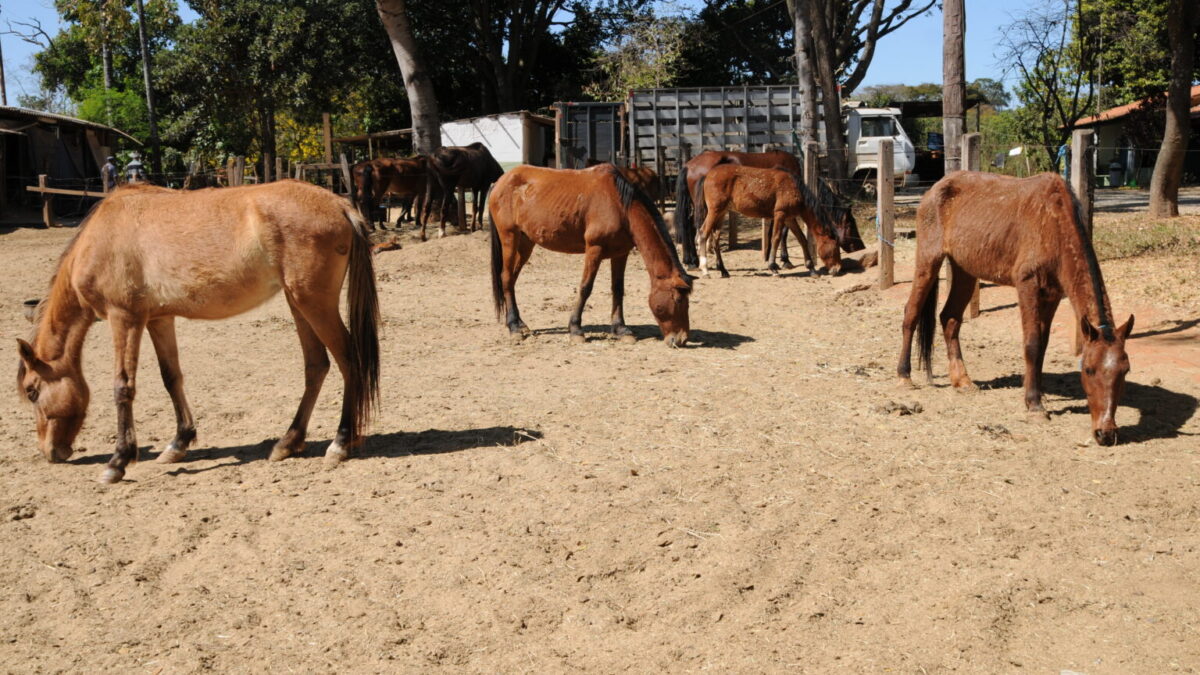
[[1162, 412]]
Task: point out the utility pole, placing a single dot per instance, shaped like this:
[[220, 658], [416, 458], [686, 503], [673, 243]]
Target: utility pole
[[3, 87], [954, 81], [155, 150]]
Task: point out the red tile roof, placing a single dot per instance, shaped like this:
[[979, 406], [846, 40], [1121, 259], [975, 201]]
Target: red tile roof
[[1123, 110]]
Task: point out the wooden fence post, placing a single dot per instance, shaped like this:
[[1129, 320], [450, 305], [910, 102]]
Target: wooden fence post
[[346, 173], [239, 170], [885, 206], [279, 174], [811, 150], [47, 203], [971, 162], [1082, 185]]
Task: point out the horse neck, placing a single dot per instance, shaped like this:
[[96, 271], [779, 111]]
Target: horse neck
[[64, 322], [657, 254], [1077, 281]]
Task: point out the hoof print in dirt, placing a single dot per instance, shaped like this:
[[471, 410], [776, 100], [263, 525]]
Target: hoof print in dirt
[[897, 409]]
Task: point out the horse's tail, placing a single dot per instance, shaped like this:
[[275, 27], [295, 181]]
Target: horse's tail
[[683, 205], [683, 220], [701, 207], [363, 380], [926, 320], [497, 264]]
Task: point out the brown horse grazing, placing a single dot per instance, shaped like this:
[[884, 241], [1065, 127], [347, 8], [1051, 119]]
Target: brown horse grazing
[[1025, 233], [760, 193], [377, 178], [841, 216], [470, 167], [146, 255], [408, 178], [600, 214]]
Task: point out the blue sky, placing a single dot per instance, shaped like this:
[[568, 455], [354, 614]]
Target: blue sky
[[911, 55]]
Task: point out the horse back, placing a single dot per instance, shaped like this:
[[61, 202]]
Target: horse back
[[998, 228], [209, 253], [563, 210]]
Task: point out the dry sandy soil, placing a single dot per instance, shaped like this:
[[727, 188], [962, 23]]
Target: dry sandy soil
[[745, 504]]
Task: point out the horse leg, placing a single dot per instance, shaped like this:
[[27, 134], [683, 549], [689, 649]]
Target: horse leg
[[517, 250], [476, 214], [720, 259], [1036, 315], [316, 366], [591, 265], [619, 329], [705, 236], [127, 338], [809, 263], [162, 335], [925, 278], [783, 253], [321, 313], [961, 290]]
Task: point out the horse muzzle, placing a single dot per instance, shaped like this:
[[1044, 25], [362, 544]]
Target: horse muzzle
[[59, 455]]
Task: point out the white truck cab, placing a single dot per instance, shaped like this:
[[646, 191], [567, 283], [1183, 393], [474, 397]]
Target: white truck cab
[[865, 127]]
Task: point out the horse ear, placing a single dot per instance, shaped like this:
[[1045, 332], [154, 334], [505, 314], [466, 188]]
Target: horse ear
[[1124, 331], [1089, 331], [27, 354]]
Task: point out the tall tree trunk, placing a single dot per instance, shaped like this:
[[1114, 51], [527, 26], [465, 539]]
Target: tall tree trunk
[[804, 73], [824, 52], [106, 69], [954, 82], [266, 143], [427, 133], [1168, 168], [155, 149]]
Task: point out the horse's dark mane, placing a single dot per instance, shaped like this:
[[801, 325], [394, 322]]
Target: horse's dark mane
[[628, 193], [1093, 264], [819, 206]]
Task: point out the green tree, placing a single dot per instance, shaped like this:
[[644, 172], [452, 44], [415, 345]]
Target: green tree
[[1051, 48]]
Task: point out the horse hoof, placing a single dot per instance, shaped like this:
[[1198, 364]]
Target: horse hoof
[[578, 339], [423, 238], [336, 454], [171, 456], [627, 338], [516, 337], [112, 475], [281, 452], [787, 265], [1039, 415], [905, 383], [968, 387], [724, 275]]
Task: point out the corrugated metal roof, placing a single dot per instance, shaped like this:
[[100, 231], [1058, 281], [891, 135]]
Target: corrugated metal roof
[[55, 118]]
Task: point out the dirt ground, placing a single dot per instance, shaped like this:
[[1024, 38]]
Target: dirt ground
[[754, 502]]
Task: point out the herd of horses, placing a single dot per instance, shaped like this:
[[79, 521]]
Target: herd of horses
[[146, 255]]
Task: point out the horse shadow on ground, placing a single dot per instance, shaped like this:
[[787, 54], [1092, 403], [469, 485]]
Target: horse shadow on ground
[[1177, 326], [392, 445], [696, 338], [1162, 412]]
